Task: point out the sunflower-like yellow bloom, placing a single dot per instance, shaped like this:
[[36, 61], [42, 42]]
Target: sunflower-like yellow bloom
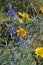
[[39, 51], [28, 19], [41, 9], [20, 20], [21, 14], [27, 16], [21, 32], [24, 15]]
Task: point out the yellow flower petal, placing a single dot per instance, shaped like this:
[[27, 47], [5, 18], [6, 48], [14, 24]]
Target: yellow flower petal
[[26, 16], [28, 19], [23, 15], [41, 9], [21, 32], [39, 51], [20, 14], [20, 20]]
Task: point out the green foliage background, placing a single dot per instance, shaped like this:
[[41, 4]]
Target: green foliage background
[[33, 27], [21, 5]]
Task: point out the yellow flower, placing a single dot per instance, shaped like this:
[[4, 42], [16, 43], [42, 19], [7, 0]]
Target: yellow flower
[[39, 51], [29, 19], [41, 9], [24, 15], [20, 14], [21, 32], [20, 20]]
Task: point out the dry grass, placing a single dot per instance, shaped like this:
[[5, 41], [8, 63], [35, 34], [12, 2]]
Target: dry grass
[[38, 41], [3, 17]]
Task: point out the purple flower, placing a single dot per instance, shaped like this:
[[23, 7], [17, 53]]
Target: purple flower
[[10, 11], [16, 56], [21, 41], [11, 31]]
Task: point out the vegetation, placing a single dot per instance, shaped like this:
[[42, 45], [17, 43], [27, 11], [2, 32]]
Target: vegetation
[[21, 24]]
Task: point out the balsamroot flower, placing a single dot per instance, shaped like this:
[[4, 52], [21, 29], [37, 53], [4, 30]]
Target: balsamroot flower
[[21, 14], [24, 15], [20, 41], [27, 16], [21, 32], [11, 31], [39, 51], [29, 19], [20, 20], [41, 9]]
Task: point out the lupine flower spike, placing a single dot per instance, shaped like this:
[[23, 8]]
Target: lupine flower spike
[[11, 31], [9, 11], [20, 41]]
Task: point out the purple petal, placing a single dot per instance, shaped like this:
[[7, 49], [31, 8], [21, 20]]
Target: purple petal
[[11, 31], [21, 41], [10, 11], [15, 56]]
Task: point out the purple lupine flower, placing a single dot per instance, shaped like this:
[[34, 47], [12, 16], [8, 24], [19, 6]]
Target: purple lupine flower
[[10, 11], [11, 31], [21, 41], [16, 56]]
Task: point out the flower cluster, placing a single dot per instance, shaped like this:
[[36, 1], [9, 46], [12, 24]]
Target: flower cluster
[[17, 38], [10, 11], [21, 33], [24, 15], [39, 51], [20, 20], [11, 31]]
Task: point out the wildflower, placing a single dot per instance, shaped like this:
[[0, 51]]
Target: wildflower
[[41, 9], [21, 32], [29, 19], [21, 41], [21, 14], [16, 56], [39, 51], [20, 20], [24, 15], [11, 31], [9, 11]]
